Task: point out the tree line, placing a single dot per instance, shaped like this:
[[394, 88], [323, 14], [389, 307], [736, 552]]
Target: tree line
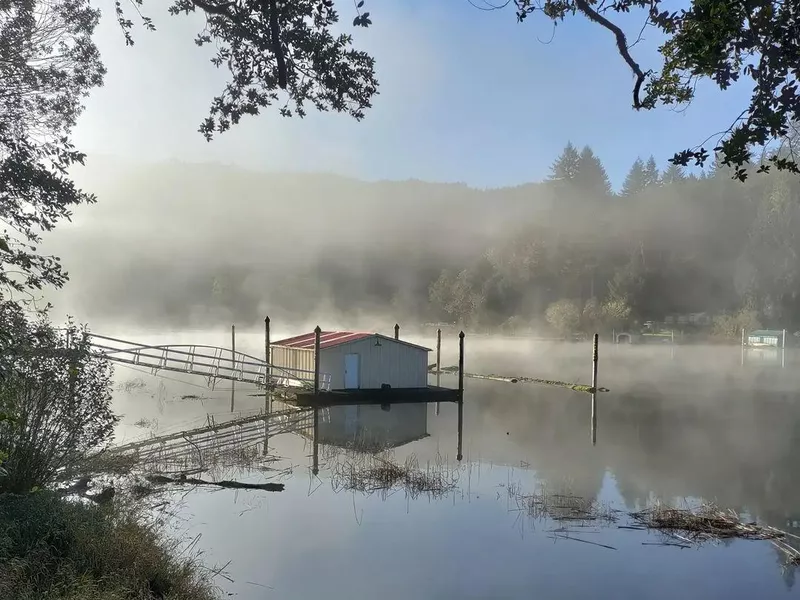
[[669, 244]]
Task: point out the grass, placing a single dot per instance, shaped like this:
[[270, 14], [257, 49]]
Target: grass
[[370, 473], [52, 548]]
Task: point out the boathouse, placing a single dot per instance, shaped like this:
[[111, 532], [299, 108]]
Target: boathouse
[[356, 360]]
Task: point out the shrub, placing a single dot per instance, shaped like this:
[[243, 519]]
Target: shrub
[[59, 395], [564, 316]]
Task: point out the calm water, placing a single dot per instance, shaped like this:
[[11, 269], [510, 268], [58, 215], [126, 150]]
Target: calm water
[[689, 424]]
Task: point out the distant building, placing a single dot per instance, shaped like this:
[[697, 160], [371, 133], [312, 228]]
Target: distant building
[[766, 338], [356, 360]]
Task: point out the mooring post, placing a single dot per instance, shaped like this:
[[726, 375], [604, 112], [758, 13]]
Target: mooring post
[[461, 365], [233, 364], [595, 344], [743, 349], [267, 384], [783, 350], [396, 331], [594, 419], [317, 333], [438, 363]]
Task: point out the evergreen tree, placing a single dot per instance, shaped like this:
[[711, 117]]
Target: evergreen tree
[[636, 180], [592, 177], [651, 177], [673, 174], [565, 169]]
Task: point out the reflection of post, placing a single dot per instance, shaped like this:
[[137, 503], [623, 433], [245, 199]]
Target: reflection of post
[[595, 345], [396, 331], [317, 332], [672, 345], [233, 363], [459, 454], [267, 384], [438, 362], [315, 458], [594, 419]]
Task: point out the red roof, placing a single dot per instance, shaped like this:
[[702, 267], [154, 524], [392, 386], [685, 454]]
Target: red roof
[[327, 339]]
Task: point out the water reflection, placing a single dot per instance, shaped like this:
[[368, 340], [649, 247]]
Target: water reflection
[[722, 437]]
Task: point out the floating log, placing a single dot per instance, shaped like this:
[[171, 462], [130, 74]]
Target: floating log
[[238, 485], [521, 379]]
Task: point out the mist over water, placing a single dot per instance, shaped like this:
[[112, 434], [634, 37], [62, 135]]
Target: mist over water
[[680, 423]]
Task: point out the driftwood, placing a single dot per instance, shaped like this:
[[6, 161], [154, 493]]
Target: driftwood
[[239, 485], [521, 379]]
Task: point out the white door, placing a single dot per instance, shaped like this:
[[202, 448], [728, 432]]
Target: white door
[[352, 376]]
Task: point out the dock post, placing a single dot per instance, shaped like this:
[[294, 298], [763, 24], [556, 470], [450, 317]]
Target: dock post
[[233, 364], [317, 333], [438, 363], [783, 350], [267, 384], [396, 331], [461, 365], [743, 349], [595, 344], [594, 419], [459, 455]]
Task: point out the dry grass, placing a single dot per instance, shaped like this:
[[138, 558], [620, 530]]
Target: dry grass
[[55, 549], [709, 523], [371, 473], [560, 504]]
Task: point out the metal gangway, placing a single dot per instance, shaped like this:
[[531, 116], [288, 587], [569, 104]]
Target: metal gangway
[[212, 362]]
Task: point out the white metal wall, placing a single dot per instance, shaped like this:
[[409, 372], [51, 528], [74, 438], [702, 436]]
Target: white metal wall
[[293, 358], [399, 365]]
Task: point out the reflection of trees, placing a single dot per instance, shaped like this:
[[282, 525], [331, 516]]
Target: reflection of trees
[[738, 450]]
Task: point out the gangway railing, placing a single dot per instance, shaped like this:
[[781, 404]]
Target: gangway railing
[[211, 362]]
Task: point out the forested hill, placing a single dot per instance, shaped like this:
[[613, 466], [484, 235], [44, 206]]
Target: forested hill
[[177, 242], [167, 241]]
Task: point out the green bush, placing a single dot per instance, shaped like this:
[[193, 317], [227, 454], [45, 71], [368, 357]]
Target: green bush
[[59, 395], [55, 549]]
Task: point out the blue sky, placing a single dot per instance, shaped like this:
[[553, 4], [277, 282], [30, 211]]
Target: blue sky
[[466, 95]]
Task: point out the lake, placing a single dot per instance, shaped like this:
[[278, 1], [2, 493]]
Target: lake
[[680, 425]]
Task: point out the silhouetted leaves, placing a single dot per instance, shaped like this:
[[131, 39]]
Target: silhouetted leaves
[[48, 64]]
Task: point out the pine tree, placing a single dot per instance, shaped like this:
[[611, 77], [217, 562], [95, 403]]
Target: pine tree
[[565, 169], [673, 174], [636, 179], [651, 177], [591, 177]]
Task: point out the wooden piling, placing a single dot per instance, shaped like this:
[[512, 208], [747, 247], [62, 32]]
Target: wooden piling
[[267, 383], [233, 364], [438, 363], [396, 331], [595, 344], [317, 333], [461, 365], [783, 350]]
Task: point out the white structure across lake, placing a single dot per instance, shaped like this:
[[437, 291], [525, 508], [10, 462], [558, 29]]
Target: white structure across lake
[[356, 360]]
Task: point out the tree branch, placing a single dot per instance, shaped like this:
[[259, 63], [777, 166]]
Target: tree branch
[[622, 46]]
